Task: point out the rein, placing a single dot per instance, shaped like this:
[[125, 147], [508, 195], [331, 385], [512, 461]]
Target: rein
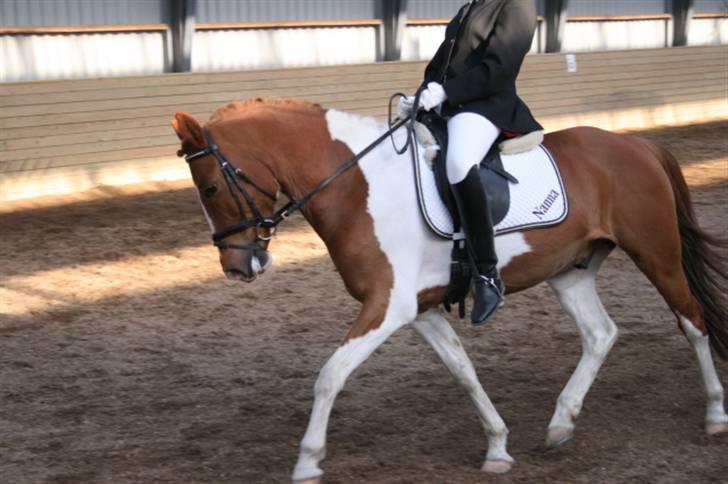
[[234, 175]]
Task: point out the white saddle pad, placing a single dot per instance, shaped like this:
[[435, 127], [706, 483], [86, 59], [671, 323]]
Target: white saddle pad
[[538, 200]]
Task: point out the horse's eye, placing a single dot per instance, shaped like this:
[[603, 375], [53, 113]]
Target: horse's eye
[[210, 191]]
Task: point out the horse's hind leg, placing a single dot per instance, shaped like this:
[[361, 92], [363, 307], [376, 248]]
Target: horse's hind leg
[[661, 264], [577, 292], [716, 420], [440, 335]]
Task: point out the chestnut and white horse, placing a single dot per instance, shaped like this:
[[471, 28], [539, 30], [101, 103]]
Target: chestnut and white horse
[[623, 192]]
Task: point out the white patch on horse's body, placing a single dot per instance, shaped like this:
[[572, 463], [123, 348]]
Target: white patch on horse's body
[[419, 259], [716, 420], [255, 265], [510, 246]]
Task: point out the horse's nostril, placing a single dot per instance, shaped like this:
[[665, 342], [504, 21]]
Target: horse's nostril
[[237, 275]]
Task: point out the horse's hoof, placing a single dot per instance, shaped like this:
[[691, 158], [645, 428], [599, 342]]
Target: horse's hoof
[[558, 435], [313, 480], [496, 466], [716, 428]]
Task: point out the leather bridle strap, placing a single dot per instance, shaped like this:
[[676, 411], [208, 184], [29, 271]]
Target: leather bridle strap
[[294, 205], [232, 175]]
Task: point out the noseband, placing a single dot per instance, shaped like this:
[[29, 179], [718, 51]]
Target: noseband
[[234, 175]]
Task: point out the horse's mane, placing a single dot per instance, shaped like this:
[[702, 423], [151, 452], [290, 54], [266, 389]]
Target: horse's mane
[[237, 108]]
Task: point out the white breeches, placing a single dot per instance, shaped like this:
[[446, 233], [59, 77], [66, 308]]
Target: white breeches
[[470, 136]]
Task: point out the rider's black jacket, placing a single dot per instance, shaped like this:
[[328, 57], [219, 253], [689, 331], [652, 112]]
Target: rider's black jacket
[[478, 62]]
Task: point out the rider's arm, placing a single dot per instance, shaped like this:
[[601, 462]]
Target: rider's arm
[[507, 46], [432, 71]]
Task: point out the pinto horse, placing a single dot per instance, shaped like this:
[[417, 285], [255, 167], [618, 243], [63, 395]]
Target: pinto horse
[[623, 191]]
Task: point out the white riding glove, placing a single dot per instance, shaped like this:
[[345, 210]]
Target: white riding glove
[[433, 96], [405, 105]]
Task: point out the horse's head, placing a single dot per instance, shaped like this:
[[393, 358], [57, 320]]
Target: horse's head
[[237, 193]]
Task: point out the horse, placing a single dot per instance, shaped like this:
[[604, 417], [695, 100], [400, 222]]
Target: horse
[[624, 191]]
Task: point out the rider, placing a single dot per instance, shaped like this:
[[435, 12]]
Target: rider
[[472, 77]]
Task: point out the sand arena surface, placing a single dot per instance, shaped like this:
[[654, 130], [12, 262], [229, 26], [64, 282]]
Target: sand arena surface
[[125, 356]]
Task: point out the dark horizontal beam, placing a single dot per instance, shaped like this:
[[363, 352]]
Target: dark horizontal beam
[[291, 24], [82, 29]]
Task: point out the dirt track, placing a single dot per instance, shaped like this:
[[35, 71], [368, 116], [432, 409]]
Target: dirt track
[[126, 357]]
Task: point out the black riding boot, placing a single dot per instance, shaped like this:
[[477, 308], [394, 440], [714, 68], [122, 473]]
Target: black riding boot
[[477, 224]]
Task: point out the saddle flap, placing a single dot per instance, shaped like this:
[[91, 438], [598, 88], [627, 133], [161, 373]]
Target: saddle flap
[[492, 174], [496, 181], [536, 192]]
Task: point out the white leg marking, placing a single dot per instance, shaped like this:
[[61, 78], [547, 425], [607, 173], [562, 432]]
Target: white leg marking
[[440, 335], [577, 293], [716, 419], [330, 381]]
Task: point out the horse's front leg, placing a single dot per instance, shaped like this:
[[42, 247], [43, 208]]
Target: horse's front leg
[[371, 328], [439, 334], [578, 295]]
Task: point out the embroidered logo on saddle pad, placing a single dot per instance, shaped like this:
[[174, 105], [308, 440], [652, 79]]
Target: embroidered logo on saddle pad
[[537, 200]]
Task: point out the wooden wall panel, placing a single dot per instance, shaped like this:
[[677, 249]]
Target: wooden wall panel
[[66, 136]]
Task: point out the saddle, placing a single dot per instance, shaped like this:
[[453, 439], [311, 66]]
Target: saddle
[[494, 177], [495, 180]]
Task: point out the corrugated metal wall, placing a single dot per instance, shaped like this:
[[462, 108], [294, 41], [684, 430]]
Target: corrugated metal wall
[[633, 34], [73, 55], [419, 9], [618, 7], [15, 13], [26, 13], [28, 57], [227, 50], [446, 8], [708, 31], [711, 6], [68, 56], [217, 11]]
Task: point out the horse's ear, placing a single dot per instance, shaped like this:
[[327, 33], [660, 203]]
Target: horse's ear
[[189, 132]]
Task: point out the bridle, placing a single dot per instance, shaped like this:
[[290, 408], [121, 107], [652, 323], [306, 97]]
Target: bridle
[[233, 176]]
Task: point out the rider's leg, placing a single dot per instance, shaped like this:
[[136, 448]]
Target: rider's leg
[[470, 138]]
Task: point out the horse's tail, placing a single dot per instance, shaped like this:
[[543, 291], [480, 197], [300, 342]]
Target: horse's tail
[[704, 266]]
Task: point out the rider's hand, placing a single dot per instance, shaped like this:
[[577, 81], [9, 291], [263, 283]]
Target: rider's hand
[[433, 96], [404, 107]]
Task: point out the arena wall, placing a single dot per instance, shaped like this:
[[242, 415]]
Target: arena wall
[[67, 136], [68, 39]]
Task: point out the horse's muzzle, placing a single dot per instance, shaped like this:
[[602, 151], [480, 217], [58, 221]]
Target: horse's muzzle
[[245, 266]]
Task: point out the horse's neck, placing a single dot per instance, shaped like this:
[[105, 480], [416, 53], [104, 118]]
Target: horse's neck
[[341, 213]]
